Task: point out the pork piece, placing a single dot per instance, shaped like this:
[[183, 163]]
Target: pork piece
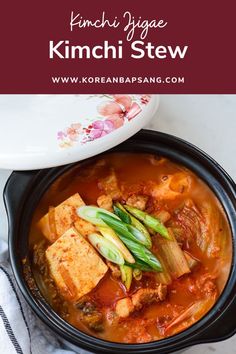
[[124, 307], [137, 201], [109, 185], [105, 202], [140, 298], [115, 271], [74, 265], [170, 186], [147, 296], [62, 217]]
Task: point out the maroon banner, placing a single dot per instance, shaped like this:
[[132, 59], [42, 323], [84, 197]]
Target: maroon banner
[[91, 47]]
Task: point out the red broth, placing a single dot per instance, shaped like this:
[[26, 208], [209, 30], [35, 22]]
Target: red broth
[[190, 296]]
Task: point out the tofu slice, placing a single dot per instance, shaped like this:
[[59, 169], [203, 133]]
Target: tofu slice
[[74, 265], [57, 221]]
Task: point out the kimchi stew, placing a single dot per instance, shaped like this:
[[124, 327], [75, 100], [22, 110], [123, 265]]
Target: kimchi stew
[[130, 248]]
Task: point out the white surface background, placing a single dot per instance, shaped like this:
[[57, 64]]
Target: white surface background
[[208, 121]]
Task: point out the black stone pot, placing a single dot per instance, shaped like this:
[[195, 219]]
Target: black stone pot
[[24, 190]]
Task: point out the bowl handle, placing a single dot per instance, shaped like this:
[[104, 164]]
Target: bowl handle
[[222, 329], [15, 190]]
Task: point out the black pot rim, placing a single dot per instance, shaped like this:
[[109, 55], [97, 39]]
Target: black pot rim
[[192, 335]]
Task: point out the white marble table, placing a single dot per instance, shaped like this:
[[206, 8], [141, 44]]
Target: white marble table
[[208, 121]]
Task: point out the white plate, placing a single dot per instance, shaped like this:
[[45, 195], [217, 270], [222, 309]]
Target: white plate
[[40, 131]]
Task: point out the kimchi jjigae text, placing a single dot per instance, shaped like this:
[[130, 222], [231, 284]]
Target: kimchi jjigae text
[[130, 248]]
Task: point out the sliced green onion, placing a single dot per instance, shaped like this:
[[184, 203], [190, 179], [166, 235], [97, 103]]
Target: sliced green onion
[[140, 236], [90, 213], [140, 265], [149, 221], [135, 222], [122, 214], [117, 225], [106, 248], [142, 253], [126, 275], [110, 235], [138, 225]]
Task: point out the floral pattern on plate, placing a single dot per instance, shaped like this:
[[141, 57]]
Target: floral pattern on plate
[[113, 112]]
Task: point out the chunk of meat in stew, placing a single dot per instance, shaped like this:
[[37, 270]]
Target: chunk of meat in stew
[[140, 298]]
